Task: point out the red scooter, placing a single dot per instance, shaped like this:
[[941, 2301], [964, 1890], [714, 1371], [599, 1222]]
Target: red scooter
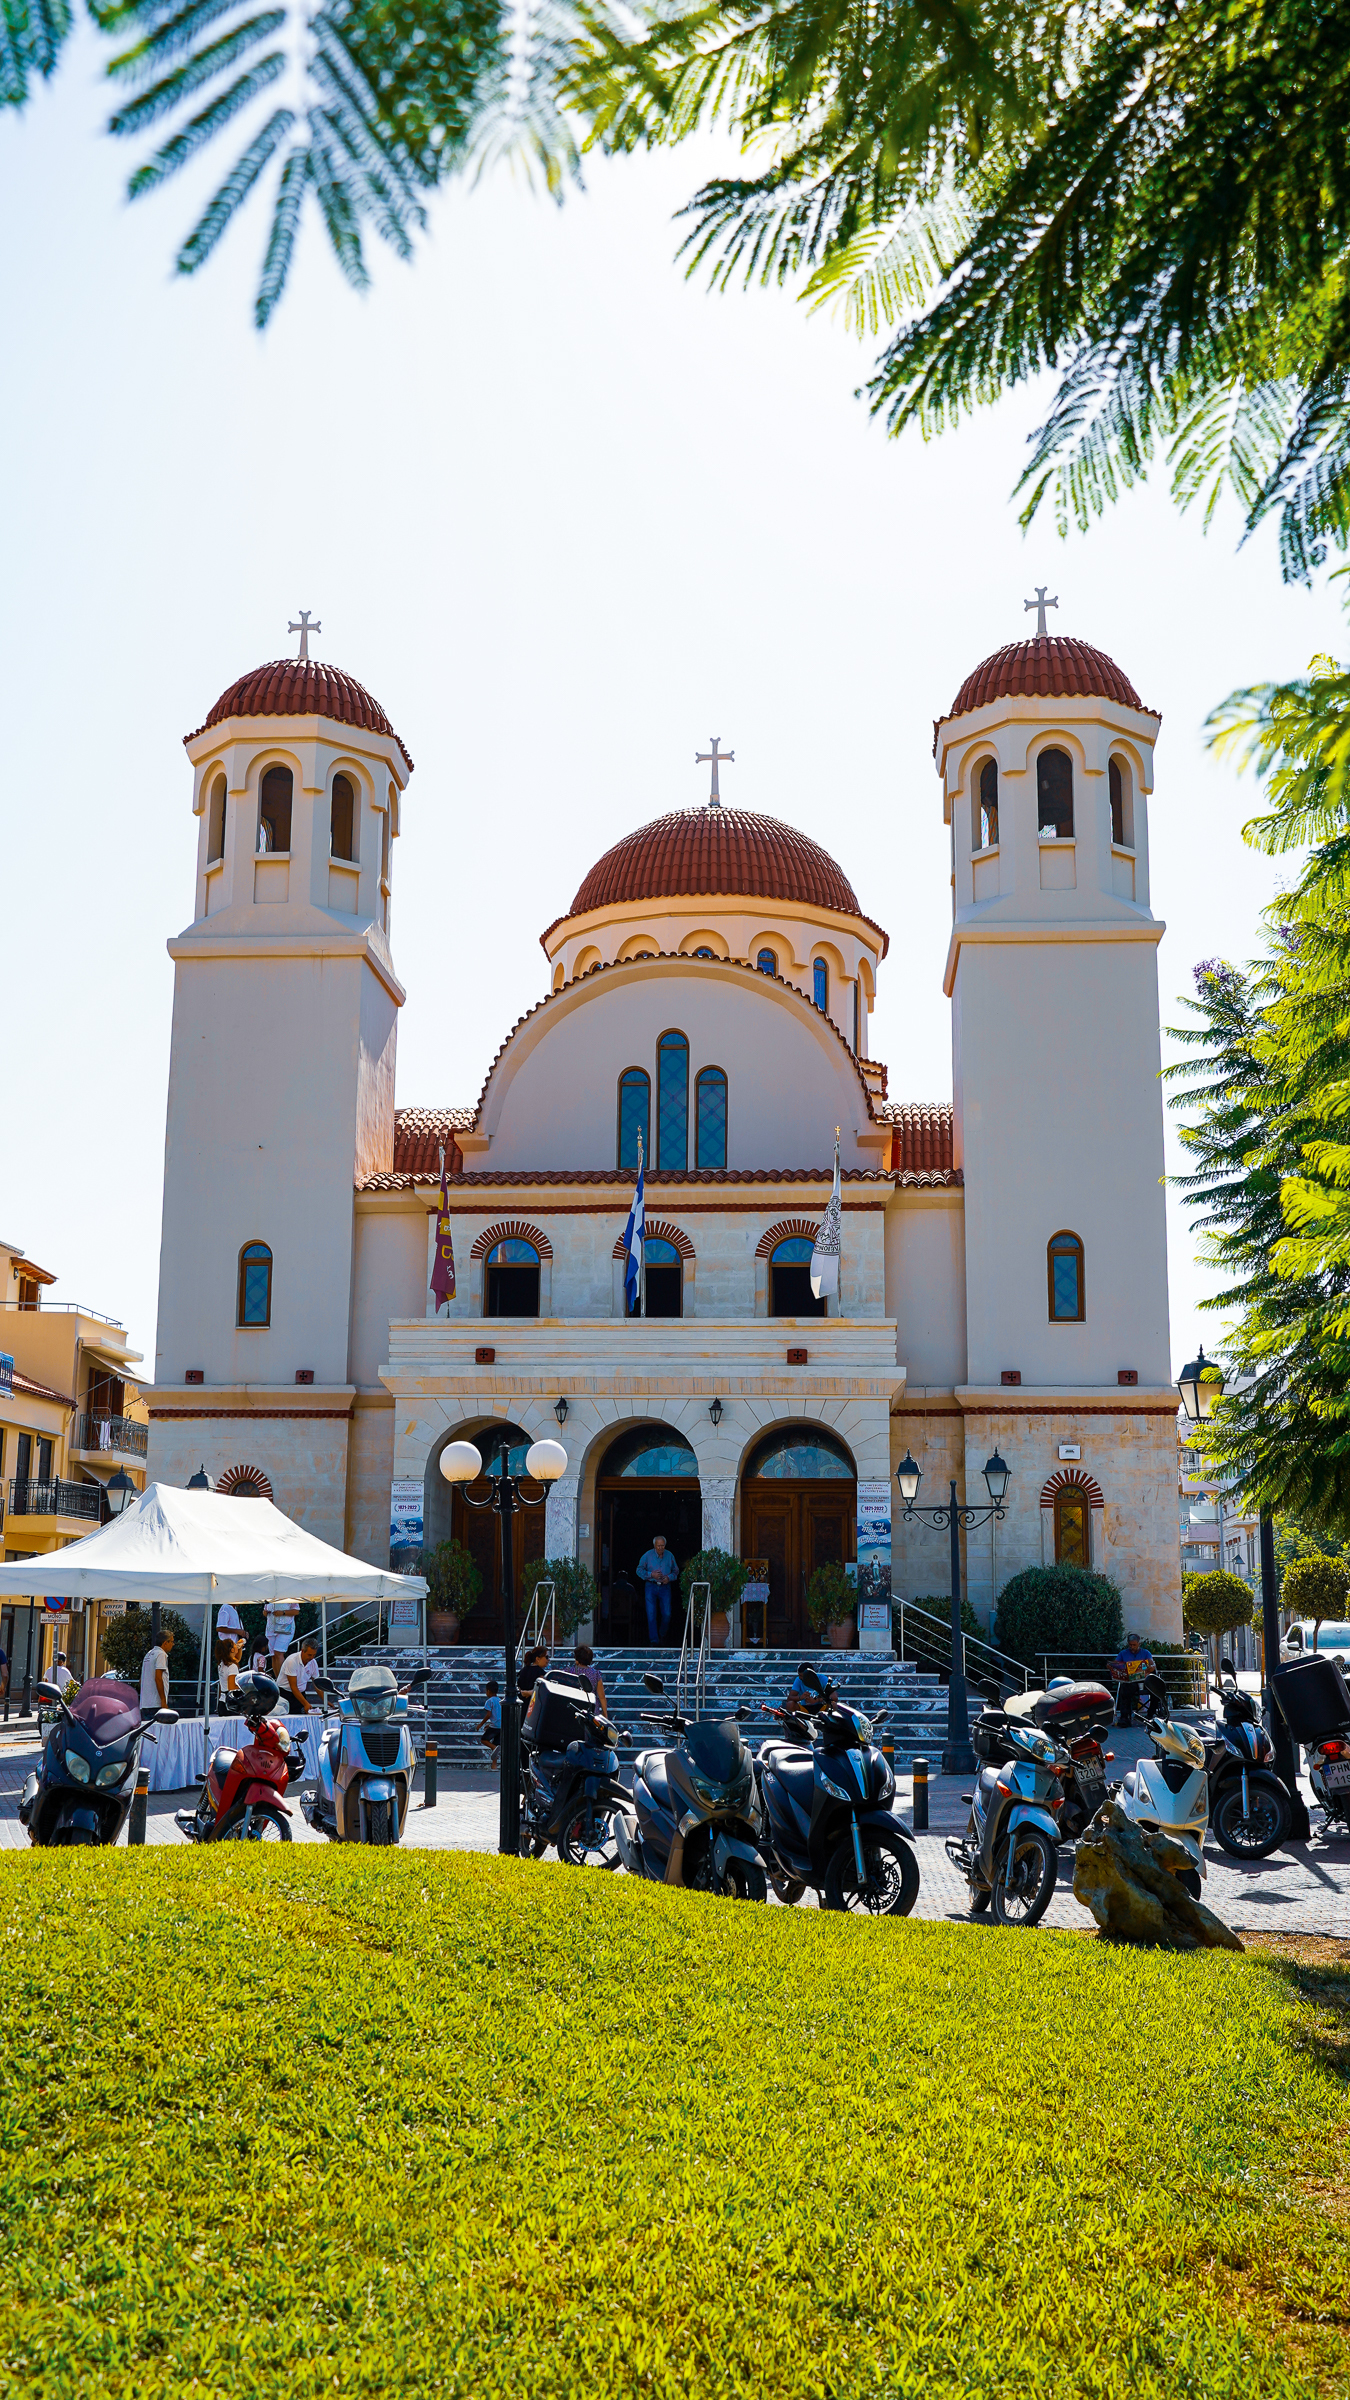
[[244, 1796]]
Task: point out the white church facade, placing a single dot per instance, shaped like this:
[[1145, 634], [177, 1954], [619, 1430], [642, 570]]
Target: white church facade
[[1003, 1278]]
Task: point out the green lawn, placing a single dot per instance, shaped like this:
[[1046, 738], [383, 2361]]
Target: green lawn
[[342, 2123]]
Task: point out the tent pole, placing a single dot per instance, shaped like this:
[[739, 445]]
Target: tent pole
[[323, 1624], [206, 1688]]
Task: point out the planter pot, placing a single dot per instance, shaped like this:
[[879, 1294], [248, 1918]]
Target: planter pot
[[840, 1636], [719, 1630], [442, 1626]]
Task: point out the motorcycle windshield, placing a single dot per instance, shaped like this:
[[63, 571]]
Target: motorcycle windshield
[[716, 1751], [108, 1709]]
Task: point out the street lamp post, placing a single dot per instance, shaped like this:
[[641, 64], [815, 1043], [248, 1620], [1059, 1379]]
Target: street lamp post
[[463, 1464], [958, 1758]]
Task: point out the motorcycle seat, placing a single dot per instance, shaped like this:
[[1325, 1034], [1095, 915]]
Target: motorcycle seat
[[796, 1769], [221, 1762], [653, 1771]]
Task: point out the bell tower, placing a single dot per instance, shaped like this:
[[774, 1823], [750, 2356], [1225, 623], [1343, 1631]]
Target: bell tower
[[281, 1073]]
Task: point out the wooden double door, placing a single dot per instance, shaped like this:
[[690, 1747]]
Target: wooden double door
[[797, 1527], [480, 1530]]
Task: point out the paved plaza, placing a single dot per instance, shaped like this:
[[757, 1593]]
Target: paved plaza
[[1302, 1889]]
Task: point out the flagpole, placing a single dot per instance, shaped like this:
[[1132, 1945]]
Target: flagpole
[[642, 1271]]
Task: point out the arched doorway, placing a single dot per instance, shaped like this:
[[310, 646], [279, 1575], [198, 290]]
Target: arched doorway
[[647, 1484], [799, 1511], [480, 1531]]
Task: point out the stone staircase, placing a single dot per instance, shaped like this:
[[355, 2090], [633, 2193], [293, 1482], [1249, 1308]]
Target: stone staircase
[[915, 1701]]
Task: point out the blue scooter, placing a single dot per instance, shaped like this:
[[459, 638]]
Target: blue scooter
[[366, 1760]]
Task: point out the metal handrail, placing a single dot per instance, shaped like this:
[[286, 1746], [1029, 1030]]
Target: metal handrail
[[698, 1660], [124, 1433], [977, 1657], [1184, 1674], [535, 1616], [62, 1308]]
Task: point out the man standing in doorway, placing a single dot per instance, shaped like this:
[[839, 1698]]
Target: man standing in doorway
[[658, 1571]]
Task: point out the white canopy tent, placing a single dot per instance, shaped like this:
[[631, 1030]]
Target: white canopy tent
[[194, 1548]]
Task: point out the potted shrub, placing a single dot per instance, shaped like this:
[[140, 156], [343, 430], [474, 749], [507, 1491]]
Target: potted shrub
[[575, 1594], [727, 1578], [1057, 1613], [831, 1598], [453, 1585]]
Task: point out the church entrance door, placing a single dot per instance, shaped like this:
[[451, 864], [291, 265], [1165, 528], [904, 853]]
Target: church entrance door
[[648, 1484], [797, 1521]]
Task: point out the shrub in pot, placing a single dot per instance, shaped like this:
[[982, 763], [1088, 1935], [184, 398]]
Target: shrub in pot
[[453, 1586], [575, 1593], [727, 1577], [1058, 1608], [831, 1597]]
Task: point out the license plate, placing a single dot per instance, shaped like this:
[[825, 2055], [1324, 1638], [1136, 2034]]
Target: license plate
[[1338, 1777]]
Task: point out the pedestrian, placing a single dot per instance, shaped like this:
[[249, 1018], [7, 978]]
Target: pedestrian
[[1134, 1664], [298, 1671], [61, 1674], [658, 1571], [155, 1674], [583, 1658], [4, 1673], [490, 1731], [535, 1664], [228, 1674], [260, 1663], [281, 1616], [229, 1629]]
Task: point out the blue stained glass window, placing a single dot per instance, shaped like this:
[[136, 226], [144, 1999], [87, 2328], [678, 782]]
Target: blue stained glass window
[[513, 1254], [635, 1113], [672, 1103], [820, 980], [803, 1454], [711, 1126], [255, 1284], [794, 1253], [658, 1253], [1066, 1279], [766, 962]]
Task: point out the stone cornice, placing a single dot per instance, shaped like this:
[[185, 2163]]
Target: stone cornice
[[1047, 930]]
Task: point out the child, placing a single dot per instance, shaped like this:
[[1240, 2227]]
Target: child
[[490, 1731], [583, 1658]]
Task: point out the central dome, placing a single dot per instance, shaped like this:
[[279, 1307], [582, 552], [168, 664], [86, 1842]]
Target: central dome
[[697, 853]]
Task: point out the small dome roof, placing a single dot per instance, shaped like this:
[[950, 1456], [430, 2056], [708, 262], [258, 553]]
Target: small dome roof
[[301, 687], [1049, 667], [698, 853]]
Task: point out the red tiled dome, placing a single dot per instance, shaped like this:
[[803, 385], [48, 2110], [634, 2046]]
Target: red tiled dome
[[700, 852], [1046, 668], [301, 687]]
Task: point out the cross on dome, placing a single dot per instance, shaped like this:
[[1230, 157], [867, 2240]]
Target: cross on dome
[[714, 756], [1040, 604], [305, 629]]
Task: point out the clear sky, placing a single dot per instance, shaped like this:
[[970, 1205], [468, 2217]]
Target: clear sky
[[566, 514]]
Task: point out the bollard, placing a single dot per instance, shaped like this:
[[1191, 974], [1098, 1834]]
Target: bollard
[[429, 1778], [136, 1821], [921, 1795]]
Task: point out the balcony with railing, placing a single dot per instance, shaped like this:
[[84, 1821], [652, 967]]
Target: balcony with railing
[[103, 1435], [28, 1497]]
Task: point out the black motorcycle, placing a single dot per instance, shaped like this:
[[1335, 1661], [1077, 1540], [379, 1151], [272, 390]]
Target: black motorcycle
[[82, 1797], [695, 1817], [1249, 1810], [570, 1792], [826, 1795]]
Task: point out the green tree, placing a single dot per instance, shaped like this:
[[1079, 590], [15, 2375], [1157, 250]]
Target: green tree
[[726, 1574], [1319, 1588], [454, 1579], [127, 1638], [1215, 1603]]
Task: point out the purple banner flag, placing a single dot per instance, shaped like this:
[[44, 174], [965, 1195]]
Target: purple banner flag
[[443, 1272]]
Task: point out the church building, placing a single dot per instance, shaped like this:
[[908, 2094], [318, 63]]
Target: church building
[[707, 990]]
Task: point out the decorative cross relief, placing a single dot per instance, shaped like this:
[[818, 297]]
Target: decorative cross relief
[[305, 629], [1040, 604], [714, 757]]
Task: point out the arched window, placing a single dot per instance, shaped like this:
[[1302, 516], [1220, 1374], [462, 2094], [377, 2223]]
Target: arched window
[[344, 820], [274, 809], [857, 1018], [766, 962], [710, 1117], [800, 1454], [1072, 1546], [665, 1279], [215, 822], [255, 1284], [704, 952], [635, 1116], [512, 1282], [790, 1293], [1054, 794], [672, 1103], [984, 829], [1122, 805], [820, 983], [1065, 1272]]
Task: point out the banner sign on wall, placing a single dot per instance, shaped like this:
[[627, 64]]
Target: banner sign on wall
[[874, 1541], [405, 1524], [6, 1372]]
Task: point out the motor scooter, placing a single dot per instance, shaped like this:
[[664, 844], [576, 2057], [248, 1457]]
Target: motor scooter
[[1249, 1808], [243, 1797], [366, 1760], [1169, 1793], [1075, 1714], [826, 1798], [82, 1797], [1008, 1852], [694, 1814], [570, 1791]]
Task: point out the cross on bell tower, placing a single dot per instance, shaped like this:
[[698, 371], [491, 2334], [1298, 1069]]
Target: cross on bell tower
[[714, 757], [305, 629], [1040, 604]]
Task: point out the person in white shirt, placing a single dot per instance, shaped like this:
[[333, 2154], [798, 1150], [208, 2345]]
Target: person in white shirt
[[297, 1674], [281, 1616], [155, 1674], [229, 1629], [61, 1675]]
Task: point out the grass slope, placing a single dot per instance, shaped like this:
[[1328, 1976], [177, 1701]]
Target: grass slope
[[346, 2123]]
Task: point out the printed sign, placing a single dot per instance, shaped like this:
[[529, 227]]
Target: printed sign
[[405, 1615], [405, 1522], [6, 1372], [874, 1542], [874, 1616], [56, 1608]]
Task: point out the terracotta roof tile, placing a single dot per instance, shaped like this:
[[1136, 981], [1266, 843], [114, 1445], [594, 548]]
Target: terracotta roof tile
[[922, 1139], [1052, 666], [497, 1178], [27, 1389], [301, 687], [418, 1135], [703, 853]]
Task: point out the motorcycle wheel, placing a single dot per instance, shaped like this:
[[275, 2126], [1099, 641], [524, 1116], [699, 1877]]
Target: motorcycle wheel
[[1024, 1879], [787, 1889], [586, 1838], [269, 1825], [1260, 1833], [979, 1902], [744, 1882], [892, 1875], [74, 1837], [381, 1823]]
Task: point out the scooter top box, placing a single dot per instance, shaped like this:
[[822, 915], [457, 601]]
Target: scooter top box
[[560, 1709], [1314, 1698], [1072, 1705]]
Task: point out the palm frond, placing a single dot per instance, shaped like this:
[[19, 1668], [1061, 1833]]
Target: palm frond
[[33, 34], [233, 192], [200, 129]]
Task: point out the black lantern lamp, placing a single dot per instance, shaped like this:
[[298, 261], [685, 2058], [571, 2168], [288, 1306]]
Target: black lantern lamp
[[715, 1412], [118, 1491], [560, 1409], [201, 1481], [1200, 1384], [462, 1463], [958, 1758]]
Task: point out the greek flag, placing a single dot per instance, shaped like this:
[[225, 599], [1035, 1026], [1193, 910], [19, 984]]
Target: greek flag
[[829, 1240], [634, 1236]]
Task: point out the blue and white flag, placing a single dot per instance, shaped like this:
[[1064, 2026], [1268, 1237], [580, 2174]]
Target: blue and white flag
[[634, 1237]]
